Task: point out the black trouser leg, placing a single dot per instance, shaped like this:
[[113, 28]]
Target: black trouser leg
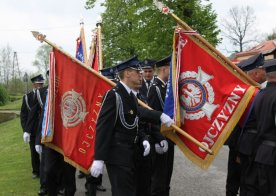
[[233, 174], [159, 174], [69, 179], [42, 170], [34, 157], [170, 166], [122, 180], [53, 166], [92, 183]]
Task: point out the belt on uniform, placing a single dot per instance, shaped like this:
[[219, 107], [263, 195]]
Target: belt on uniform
[[251, 131], [269, 143], [130, 139]]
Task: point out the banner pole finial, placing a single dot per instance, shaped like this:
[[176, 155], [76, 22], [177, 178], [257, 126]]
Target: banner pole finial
[[40, 37]]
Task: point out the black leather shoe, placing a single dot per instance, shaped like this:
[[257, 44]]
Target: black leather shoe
[[81, 175], [101, 188], [42, 192]]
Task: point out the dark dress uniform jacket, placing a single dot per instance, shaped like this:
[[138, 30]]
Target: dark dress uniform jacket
[[27, 103], [144, 89], [265, 110], [156, 95], [115, 142], [36, 113]]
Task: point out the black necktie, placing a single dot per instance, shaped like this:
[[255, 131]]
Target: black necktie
[[132, 95], [148, 82]]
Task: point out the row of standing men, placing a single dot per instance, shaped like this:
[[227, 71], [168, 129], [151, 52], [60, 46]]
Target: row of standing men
[[139, 159], [252, 144]]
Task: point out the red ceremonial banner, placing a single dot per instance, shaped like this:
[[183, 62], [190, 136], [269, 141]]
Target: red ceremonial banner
[[77, 96], [209, 98]]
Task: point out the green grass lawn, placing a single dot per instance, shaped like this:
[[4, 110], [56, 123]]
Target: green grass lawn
[[15, 105], [15, 164]]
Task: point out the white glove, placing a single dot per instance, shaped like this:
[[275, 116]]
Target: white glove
[[146, 145], [97, 168], [26, 137], [166, 120], [38, 149], [159, 149], [164, 145]]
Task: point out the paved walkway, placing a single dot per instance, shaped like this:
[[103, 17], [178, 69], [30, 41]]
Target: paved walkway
[[187, 179]]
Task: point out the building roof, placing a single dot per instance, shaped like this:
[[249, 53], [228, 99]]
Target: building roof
[[265, 47]]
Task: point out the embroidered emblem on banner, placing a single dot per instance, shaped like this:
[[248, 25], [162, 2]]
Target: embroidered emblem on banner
[[196, 95], [73, 109]]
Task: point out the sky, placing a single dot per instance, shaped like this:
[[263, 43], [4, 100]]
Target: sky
[[59, 21]]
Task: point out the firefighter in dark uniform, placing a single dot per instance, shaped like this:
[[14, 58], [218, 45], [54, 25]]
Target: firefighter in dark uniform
[[35, 120], [265, 112], [144, 163], [57, 174], [148, 76], [117, 131], [29, 134], [162, 160], [245, 147], [233, 165]]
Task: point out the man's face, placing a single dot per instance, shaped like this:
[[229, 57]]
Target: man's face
[[37, 85], [258, 75], [134, 78], [148, 74], [166, 72]]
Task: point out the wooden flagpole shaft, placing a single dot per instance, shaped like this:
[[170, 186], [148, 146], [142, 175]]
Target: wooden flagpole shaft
[[213, 49], [99, 32], [42, 38]]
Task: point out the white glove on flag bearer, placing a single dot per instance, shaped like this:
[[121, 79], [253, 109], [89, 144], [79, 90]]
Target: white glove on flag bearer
[[166, 120], [97, 168], [26, 137], [164, 145], [146, 145], [38, 149], [158, 149]]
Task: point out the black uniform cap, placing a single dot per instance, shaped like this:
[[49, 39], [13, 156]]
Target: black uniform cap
[[132, 63], [148, 64], [256, 61], [270, 65], [164, 62], [109, 72], [37, 79]]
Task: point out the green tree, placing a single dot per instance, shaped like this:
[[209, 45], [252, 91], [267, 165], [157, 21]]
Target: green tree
[[4, 97], [136, 27], [42, 58], [272, 35]]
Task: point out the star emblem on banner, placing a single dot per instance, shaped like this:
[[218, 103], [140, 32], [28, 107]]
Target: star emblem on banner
[[196, 95]]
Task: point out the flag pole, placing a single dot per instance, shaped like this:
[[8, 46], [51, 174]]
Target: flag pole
[[83, 40], [166, 10], [92, 50], [42, 38], [99, 33], [184, 133]]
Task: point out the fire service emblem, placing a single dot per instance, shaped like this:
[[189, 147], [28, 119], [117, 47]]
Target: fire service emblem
[[196, 95], [73, 109]]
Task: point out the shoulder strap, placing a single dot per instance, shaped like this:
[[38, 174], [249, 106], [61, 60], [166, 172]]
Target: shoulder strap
[[39, 98], [159, 96], [27, 102]]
